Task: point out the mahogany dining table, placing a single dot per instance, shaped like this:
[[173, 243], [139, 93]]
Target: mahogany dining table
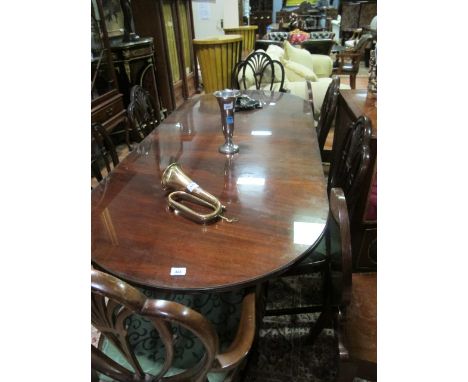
[[274, 186]]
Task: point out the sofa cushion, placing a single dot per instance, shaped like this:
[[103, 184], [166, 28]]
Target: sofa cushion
[[275, 52], [321, 65], [298, 72]]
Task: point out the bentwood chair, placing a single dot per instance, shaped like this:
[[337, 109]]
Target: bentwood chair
[[142, 114], [259, 71], [103, 154], [153, 339]]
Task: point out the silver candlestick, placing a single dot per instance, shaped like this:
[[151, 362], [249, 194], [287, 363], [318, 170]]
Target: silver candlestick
[[226, 100]]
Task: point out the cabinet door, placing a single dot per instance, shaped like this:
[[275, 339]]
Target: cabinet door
[[186, 32], [178, 29]]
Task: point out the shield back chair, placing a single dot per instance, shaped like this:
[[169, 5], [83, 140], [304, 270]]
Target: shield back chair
[[321, 283], [143, 116], [150, 339], [259, 71], [327, 115], [347, 61], [350, 161], [103, 153], [331, 268]]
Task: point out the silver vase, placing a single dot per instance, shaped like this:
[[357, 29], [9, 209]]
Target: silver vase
[[226, 100]]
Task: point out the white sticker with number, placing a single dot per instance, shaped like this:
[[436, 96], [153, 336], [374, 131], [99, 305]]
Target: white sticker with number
[[228, 106], [178, 271], [191, 186]]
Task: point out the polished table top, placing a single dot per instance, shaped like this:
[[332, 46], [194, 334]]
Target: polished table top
[[274, 186]]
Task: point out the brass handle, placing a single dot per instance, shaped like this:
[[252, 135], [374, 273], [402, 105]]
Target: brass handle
[[110, 111]]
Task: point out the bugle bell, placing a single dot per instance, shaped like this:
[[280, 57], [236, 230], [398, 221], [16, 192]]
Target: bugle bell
[[186, 189]]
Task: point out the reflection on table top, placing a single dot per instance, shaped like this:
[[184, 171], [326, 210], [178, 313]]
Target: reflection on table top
[[274, 186]]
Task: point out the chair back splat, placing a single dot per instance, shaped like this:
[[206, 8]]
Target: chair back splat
[[143, 337], [351, 161], [260, 70], [142, 113], [103, 152]]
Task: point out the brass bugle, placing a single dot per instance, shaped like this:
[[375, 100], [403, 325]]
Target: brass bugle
[[186, 189]]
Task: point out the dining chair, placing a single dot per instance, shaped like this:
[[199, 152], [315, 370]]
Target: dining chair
[[330, 264], [350, 161], [103, 153], [349, 164], [148, 339], [142, 113], [327, 114], [259, 71]]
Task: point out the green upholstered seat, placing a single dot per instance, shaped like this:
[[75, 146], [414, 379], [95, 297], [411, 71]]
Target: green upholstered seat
[[222, 310]]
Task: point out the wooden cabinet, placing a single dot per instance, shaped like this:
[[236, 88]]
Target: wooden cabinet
[[351, 105], [134, 65], [170, 24], [261, 18], [106, 102]]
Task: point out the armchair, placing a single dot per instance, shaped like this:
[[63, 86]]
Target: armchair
[[351, 43], [171, 337], [347, 62]]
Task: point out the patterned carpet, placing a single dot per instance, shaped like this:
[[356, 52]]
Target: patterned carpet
[[282, 352]]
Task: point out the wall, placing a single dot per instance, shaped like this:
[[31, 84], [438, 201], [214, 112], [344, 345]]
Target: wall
[[207, 16]]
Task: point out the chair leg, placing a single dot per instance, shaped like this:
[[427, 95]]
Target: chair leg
[[352, 81], [127, 135]]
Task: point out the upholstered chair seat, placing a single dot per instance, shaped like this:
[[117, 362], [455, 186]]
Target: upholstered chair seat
[[222, 310]]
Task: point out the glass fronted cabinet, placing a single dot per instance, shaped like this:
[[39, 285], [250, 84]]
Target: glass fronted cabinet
[[106, 101], [170, 23]]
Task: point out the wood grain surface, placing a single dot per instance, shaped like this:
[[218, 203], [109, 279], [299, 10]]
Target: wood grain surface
[[274, 186]]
